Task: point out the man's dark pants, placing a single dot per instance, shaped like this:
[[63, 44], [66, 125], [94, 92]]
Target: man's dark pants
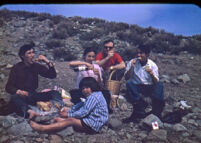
[[20, 103], [155, 91]]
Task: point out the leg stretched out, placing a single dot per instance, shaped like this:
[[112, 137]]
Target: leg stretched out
[[60, 124]]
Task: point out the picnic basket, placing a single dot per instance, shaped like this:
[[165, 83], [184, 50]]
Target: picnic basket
[[113, 85]]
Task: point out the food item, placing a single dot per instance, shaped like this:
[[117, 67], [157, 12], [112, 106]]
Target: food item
[[44, 106], [114, 101], [67, 102], [65, 94], [57, 105]]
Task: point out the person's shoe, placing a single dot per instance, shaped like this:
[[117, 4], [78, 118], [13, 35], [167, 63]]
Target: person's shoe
[[135, 117], [157, 108], [130, 119]]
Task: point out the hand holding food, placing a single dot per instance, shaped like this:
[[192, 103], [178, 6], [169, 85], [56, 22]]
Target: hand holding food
[[133, 62], [149, 70], [42, 58], [64, 111]]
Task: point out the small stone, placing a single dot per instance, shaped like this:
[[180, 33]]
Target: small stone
[[175, 81], [39, 140], [55, 139], [4, 139], [115, 123], [184, 78], [8, 66]]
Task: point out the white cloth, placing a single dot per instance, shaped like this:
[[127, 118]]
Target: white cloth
[[88, 73], [140, 75]]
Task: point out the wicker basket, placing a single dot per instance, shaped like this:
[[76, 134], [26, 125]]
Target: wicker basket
[[113, 85]]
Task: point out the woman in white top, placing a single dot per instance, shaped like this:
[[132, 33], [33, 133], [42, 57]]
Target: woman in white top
[[93, 69]]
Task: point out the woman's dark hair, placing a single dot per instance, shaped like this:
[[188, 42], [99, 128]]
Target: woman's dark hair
[[89, 82], [25, 48], [87, 50]]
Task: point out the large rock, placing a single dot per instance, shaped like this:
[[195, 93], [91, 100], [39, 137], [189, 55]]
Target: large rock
[[152, 118], [179, 128], [22, 129], [115, 123], [7, 121], [156, 136]]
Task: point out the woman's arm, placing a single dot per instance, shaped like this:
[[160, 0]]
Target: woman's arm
[[78, 63]]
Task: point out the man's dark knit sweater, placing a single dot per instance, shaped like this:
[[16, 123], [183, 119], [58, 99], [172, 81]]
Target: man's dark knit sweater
[[26, 77]]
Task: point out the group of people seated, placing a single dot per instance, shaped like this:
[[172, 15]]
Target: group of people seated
[[141, 74]]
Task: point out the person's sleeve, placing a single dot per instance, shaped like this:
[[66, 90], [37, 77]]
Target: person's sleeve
[[119, 59], [49, 72], [88, 106], [76, 107], [100, 72], [155, 71], [11, 85], [128, 67], [98, 57]]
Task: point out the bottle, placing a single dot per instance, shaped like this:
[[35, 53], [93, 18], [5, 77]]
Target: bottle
[[80, 68]]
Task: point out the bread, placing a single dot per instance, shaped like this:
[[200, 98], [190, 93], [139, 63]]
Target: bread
[[44, 106]]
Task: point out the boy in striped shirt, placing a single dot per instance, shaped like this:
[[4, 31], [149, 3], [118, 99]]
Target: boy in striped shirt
[[88, 116]]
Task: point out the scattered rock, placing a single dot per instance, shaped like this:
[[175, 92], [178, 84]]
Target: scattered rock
[[4, 139], [66, 132], [197, 134], [175, 81], [184, 78], [55, 139], [114, 123], [9, 66], [21, 129], [152, 118], [179, 127], [157, 136]]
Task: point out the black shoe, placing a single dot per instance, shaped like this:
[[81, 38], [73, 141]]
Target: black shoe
[[135, 118]]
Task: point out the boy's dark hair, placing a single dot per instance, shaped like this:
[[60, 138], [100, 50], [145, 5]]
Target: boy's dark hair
[[145, 49], [107, 41], [89, 82], [87, 50], [25, 48]]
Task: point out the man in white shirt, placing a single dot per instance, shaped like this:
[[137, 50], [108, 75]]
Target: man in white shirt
[[142, 75]]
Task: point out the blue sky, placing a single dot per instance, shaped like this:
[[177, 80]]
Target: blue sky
[[180, 19]]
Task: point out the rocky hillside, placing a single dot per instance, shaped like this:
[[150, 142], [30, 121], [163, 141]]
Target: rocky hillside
[[64, 39]]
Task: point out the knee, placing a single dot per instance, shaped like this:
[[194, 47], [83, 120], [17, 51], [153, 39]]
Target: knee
[[55, 93], [128, 84], [15, 96]]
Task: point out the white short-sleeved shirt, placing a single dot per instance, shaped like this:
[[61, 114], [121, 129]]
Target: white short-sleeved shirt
[[89, 73], [140, 75]]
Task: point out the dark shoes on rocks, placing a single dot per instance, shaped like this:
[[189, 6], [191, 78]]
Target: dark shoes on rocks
[[135, 117]]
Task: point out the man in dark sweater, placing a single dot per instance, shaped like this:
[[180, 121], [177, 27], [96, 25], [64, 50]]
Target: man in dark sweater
[[23, 81]]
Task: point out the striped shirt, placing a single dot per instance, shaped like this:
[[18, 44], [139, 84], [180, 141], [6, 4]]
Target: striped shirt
[[93, 111]]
